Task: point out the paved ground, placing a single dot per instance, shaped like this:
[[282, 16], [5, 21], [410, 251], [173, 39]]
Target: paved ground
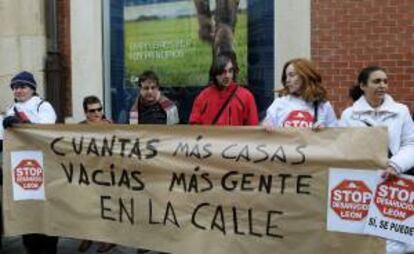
[[13, 245]]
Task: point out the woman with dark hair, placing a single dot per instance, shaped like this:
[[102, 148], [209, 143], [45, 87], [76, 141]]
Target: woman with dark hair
[[374, 107], [93, 109], [303, 100]]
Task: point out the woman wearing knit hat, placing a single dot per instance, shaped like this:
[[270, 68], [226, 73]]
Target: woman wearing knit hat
[[28, 107]]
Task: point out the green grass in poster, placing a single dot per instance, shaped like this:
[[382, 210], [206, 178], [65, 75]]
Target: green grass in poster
[[172, 49]]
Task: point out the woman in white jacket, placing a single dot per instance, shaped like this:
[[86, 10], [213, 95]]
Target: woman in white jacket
[[303, 102], [374, 107], [28, 107]]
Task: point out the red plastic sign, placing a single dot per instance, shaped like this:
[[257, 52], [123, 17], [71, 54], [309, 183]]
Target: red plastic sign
[[350, 200], [29, 174], [395, 199]]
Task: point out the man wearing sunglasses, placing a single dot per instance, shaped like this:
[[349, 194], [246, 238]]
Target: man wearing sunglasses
[[92, 107], [28, 107]]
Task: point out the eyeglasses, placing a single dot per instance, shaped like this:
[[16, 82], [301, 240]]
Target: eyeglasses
[[93, 110]]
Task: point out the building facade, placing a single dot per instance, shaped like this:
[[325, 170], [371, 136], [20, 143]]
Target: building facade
[[341, 37]]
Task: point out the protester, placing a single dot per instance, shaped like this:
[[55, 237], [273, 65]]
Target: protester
[[1, 136], [92, 107], [29, 108], [151, 106], [1, 181], [223, 101], [375, 107], [303, 102]]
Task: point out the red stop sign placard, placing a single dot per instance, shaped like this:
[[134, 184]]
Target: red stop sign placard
[[299, 119], [395, 198], [28, 174], [350, 200]]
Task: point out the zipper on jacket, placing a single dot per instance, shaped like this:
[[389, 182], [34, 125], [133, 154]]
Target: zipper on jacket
[[229, 112]]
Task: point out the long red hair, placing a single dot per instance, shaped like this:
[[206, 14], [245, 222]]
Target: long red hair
[[312, 89]]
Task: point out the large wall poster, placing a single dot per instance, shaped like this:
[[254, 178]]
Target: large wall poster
[[176, 38], [163, 35]]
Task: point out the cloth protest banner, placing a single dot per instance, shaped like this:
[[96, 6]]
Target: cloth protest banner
[[186, 189], [391, 210]]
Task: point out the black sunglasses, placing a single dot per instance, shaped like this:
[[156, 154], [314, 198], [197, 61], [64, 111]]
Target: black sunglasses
[[93, 110]]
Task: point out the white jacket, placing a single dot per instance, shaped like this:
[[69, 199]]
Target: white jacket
[[396, 117], [291, 111], [36, 109], [1, 127]]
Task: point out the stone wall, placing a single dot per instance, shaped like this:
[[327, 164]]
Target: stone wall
[[22, 43]]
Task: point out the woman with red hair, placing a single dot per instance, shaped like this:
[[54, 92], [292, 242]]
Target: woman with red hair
[[303, 100]]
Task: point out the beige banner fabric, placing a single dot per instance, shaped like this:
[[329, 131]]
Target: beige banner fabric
[[189, 189]]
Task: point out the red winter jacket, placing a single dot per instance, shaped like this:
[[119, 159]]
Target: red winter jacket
[[241, 110]]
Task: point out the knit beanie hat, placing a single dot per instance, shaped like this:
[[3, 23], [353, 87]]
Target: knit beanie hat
[[23, 78]]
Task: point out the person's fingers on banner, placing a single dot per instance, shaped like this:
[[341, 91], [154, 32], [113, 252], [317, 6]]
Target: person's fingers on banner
[[10, 121], [318, 126], [268, 127], [389, 173]]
